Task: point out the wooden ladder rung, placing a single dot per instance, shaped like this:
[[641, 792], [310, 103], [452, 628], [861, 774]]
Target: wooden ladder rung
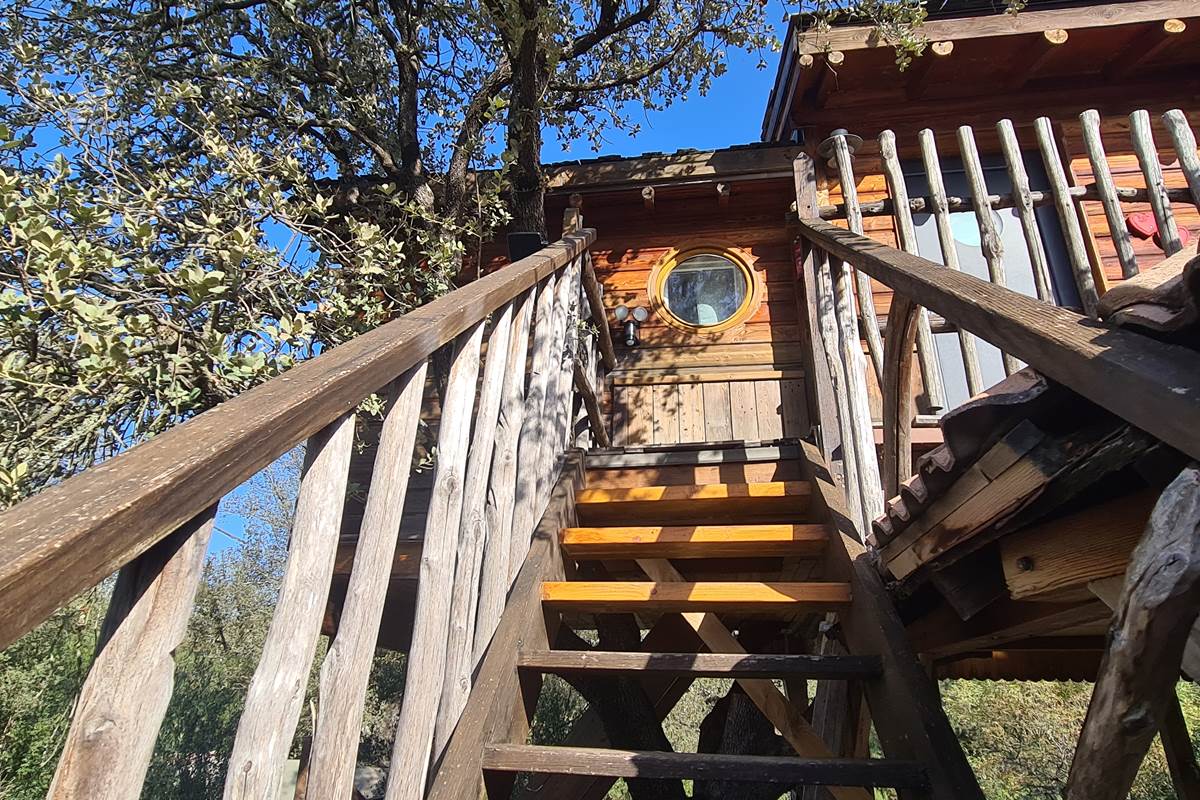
[[789, 771], [696, 541], [746, 597], [736, 502], [700, 665]]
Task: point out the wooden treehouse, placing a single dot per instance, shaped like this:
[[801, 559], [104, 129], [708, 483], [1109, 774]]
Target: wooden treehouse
[[909, 390]]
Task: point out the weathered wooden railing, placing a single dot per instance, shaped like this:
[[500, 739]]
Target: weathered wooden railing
[[149, 513], [839, 287]]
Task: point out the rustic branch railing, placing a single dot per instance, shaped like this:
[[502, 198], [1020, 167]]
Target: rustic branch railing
[[1154, 386], [906, 318], [149, 514]]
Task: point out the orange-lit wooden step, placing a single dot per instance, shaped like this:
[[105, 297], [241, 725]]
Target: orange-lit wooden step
[[695, 541], [710, 503], [604, 597]]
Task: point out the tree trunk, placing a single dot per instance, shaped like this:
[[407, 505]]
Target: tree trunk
[[735, 726], [530, 77], [623, 706]]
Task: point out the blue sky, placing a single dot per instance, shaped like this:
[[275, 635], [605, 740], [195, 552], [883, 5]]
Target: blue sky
[[731, 113]]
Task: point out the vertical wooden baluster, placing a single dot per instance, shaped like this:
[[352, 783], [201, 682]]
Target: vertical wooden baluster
[[861, 280], [525, 510], [941, 218], [125, 696], [1015, 163], [826, 304], [1068, 219], [931, 374], [993, 250], [457, 684], [347, 665], [1160, 203], [862, 430], [1094, 144], [898, 393], [566, 377], [1185, 148], [277, 690], [427, 655], [501, 493], [558, 386]]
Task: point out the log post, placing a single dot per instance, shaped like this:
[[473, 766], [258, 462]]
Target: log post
[[425, 671], [346, 669], [276, 691], [124, 699], [1158, 606]]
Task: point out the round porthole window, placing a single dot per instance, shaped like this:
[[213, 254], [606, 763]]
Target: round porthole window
[[703, 291]]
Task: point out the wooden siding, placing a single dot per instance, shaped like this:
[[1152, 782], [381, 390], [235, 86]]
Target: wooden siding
[[743, 383]]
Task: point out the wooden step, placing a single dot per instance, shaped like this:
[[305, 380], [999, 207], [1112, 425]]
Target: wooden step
[[696, 541], [784, 501], [700, 665], [786, 770], [601, 597]]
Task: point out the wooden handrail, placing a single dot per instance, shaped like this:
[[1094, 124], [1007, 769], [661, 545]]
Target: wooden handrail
[[73, 535], [1154, 386]]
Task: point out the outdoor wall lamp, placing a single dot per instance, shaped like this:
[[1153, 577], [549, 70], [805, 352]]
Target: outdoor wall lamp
[[630, 319], [826, 148]]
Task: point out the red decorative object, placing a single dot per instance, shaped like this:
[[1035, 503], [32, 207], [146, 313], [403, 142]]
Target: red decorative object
[[1185, 236], [1142, 223]]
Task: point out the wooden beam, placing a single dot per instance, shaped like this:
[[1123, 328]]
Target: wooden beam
[[710, 665], [823, 400], [591, 405], [270, 716], [595, 298], [921, 72], [425, 668], [1029, 59], [346, 668], [942, 633], [663, 504], [785, 715], [615, 597], [85, 528], [906, 710], [1073, 550], [1181, 756], [122, 703], [1143, 47], [861, 37], [663, 171], [785, 770], [696, 541], [1157, 609], [1152, 385]]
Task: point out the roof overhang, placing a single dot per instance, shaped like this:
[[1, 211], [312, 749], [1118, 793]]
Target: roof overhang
[[1018, 47], [739, 163]]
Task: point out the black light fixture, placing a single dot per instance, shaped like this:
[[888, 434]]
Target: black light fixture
[[630, 319], [826, 148]]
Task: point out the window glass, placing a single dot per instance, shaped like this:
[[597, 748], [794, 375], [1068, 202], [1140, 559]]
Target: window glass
[[705, 290]]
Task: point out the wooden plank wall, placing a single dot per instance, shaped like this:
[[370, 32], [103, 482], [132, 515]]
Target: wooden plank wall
[[744, 383]]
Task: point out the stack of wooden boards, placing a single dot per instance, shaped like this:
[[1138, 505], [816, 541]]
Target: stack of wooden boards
[[1036, 492]]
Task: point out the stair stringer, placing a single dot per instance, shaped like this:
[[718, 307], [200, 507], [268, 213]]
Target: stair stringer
[[905, 707]]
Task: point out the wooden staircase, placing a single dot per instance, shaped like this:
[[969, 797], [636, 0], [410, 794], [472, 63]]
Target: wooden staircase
[[722, 555]]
